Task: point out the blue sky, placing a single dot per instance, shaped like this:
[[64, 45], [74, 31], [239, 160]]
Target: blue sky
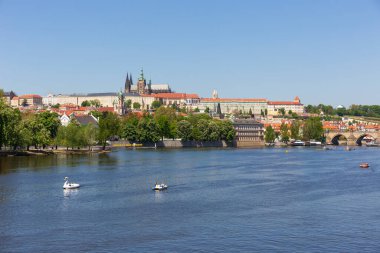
[[323, 51]]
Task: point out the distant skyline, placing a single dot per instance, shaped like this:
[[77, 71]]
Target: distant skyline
[[322, 51]]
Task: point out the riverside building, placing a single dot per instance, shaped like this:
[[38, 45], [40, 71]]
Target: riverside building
[[249, 132], [255, 106]]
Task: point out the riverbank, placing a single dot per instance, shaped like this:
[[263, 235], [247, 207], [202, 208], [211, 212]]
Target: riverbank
[[25, 152], [59, 150]]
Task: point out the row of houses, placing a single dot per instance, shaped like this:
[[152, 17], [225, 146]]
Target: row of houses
[[116, 100]]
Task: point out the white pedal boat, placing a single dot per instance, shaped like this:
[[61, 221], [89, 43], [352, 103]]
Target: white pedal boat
[[68, 185], [159, 187]]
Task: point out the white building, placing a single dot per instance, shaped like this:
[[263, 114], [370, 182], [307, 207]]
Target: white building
[[274, 107], [108, 99], [234, 105]]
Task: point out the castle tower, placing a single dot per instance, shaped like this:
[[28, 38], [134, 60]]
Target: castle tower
[[214, 94], [141, 83], [297, 100]]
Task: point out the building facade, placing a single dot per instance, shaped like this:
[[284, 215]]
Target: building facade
[[234, 105], [274, 107], [8, 96], [256, 106], [32, 100], [108, 99], [189, 101], [249, 133]]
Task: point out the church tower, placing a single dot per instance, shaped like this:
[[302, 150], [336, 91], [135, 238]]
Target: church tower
[[149, 87], [127, 86], [141, 83]]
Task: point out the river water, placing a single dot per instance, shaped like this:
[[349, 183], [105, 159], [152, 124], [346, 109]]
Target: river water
[[237, 200]]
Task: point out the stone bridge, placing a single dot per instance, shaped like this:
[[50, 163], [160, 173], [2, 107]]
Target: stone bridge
[[352, 138]]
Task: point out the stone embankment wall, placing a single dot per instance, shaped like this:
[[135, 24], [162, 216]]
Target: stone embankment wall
[[174, 144]]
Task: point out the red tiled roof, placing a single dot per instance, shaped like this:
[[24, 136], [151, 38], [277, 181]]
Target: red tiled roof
[[147, 95], [175, 95], [30, 96], [68, 105], [283, 103], [105, 109], [229, 100]]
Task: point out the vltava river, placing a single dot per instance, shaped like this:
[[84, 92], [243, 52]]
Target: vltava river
[[236, 200]]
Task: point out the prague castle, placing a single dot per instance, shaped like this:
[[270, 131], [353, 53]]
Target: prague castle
[[145, 93]]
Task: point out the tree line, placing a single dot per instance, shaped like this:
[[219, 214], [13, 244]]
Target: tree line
[[25, 130], [310, 129], [353, 110], [167, 123]]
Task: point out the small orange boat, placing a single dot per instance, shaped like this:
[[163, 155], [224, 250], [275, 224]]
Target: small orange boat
[[364, 165]]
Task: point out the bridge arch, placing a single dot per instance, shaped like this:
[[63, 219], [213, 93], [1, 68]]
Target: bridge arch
[[361, 137], [338, 137]]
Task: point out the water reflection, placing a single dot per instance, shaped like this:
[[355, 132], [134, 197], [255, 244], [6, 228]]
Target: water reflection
[[159, 196], [37, 163], [67, 193]]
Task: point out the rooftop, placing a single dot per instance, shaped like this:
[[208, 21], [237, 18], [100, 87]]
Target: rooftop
[[176, 96], [283, 103], [30, 96], [234, 100]]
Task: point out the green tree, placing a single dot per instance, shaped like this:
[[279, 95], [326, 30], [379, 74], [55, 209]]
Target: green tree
[[90, 131], [128, 104], [73, 136], [196, 109], [25, 135], [208, 130], [284, 132], [95, 103], [109, 125], [148, 130], [136, 105], [226, 130], [213, 131], [185, 130], [96, 114], [9, 120], [130, 132], [156, 104], [270, 135], [341, 111], [50, 121], [295, 130], [40, 135], [295, 115], [313, 129], [86, 103], [166, 120], [60, 139], [207, 110], [312, 109], [14, 132]]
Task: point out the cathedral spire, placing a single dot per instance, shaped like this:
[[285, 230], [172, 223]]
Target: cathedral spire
[[127, 87], [142, 75], [126, 83]]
